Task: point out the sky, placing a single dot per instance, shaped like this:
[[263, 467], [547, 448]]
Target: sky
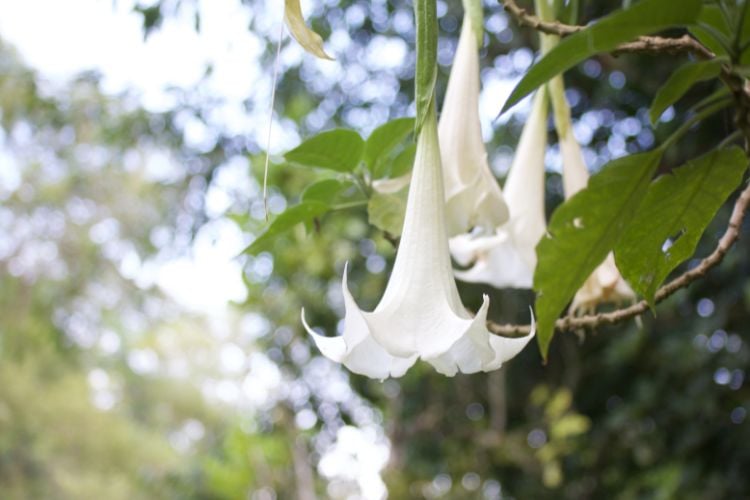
[[106, 36]]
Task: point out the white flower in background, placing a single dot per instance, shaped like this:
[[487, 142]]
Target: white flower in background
[[508, 258], [605, 284], [420, 314], [472, 194]]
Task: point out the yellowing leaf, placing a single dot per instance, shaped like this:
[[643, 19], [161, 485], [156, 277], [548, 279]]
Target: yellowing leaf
[[307, 38]]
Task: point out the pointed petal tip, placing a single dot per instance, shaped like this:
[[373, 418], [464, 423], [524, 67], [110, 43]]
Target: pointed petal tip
[[333, 348]]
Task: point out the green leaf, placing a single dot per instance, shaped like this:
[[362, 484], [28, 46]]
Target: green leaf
[[646, 16], [583, 231], [425, 13], [744, 38], [680, 82], [324, 191], [304, 212], [338, 149], [386, 211], [712, 30], [382, 142], [674, 214], [404, 162]]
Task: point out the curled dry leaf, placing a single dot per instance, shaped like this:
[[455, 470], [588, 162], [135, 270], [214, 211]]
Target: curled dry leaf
[[307, 38]]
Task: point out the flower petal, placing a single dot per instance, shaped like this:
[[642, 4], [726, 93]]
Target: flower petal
[[472, 193], [470, 352], [467, 248], [506, 348], [356, 349], [524, 188], [605, 284], [499, 263]]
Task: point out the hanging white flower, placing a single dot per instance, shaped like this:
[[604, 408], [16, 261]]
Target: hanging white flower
[[473, 196], [420, 314], [508, 257], [605, 284]]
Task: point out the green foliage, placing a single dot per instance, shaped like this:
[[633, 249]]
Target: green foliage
[[386, 153], [339, 150], [304, 212], [386, 211], [404, 161], [246, 460], [645, 17], [383, 145], [713, 30], [325, 191], [674, 214], [681, 81], [583, 231], [605, 416], [47, 454]]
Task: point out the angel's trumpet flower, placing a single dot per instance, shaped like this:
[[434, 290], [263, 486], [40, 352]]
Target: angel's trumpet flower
[[472, 194], [507, 258], [605, 284], [420, 314]]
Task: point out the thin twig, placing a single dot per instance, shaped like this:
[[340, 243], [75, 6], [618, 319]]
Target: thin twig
[[648, 44], [524, 18], [663, 45], [571, 323]]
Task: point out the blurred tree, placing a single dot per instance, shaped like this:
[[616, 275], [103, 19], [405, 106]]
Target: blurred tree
[[99, 188]]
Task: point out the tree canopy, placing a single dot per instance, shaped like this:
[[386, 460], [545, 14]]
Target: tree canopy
[[111, 387]]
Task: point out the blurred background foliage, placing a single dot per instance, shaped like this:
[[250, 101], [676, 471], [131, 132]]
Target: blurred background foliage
[[109, 389]]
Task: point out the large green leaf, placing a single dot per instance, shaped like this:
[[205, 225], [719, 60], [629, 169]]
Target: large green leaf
[[381, 146], [675, 212], [304, 212], [404, 161], [745, 36], [339, 150], [425, 14], [324, 191], [647, 16], [583, 231], [386, 211], [680, 82], [712, 30]]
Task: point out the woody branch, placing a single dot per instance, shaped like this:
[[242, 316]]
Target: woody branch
[[647, 44]]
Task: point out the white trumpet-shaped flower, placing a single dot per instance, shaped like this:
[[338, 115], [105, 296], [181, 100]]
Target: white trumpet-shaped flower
[[508, 258], [420, 314], [472, 194], [605, 284]]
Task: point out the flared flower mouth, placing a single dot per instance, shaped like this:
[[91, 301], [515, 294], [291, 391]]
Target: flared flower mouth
[[420, 315], [506, 258]]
